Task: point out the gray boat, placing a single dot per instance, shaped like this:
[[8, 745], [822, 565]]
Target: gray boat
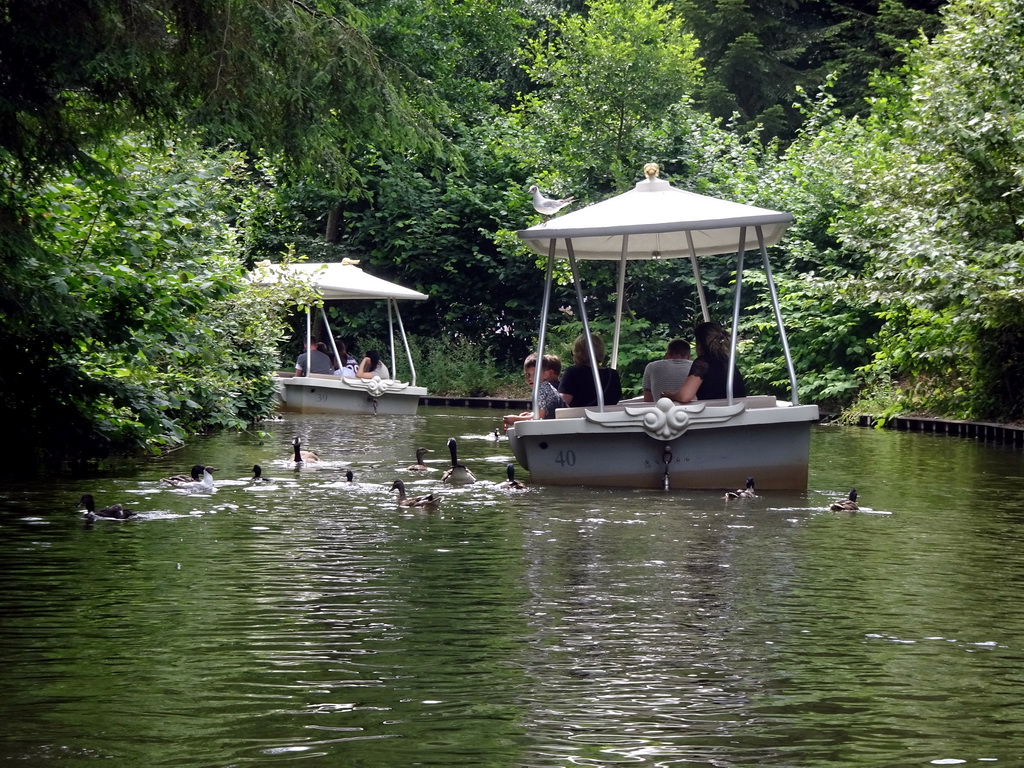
[[709, 444]]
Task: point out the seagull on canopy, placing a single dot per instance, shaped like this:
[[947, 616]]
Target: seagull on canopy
[[546, 205]]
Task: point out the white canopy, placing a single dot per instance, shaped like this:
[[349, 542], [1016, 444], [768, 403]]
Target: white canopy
[[658, 218], [338, 280]]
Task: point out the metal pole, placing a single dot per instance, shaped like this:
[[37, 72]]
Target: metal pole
[[586, 326], [544, 309], [330, 335], [309, 337], [619, 301], [735, 315], [778, 315], [696, 276], [391, 335], [405, 343]]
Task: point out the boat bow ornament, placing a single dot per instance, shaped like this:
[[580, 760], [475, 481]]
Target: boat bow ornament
[[666, 419], [376, 386]]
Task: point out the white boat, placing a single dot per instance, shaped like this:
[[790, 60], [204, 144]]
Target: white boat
[[633, 444], [322, 393]]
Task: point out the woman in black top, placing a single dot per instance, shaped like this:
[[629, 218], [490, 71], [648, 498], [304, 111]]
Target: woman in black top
[[577, 387], [709, 373]]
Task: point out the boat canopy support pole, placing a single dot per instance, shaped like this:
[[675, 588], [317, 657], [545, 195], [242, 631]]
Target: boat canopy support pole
[[330, 335], [735, 316], [391, 336], [778, 316], [619, 299], [309, 335], [696, 277], [544, 309], [594, 362], [405, 343]]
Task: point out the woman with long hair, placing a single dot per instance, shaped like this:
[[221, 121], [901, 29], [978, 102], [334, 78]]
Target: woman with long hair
[[709, 373], [372, 366]]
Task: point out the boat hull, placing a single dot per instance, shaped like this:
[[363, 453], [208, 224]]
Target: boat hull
[[330, 394], [697, 446]]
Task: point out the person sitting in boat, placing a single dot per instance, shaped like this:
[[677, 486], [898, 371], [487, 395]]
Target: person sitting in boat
[[709, 372], [548, 398], [577, 388], [347, 366], [318, 362], [668, 374], [372, 366]]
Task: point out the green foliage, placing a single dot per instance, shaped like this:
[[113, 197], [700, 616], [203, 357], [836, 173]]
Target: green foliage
[[826, 327], [940, 193], [159, 334], [303, 83], [611, 82], [458, 367], [760, 56]]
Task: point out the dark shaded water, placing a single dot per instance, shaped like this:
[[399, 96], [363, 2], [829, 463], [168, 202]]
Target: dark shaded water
[[314, 622]]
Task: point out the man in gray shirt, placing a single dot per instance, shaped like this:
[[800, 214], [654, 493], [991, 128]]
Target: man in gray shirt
[[318, 362], [669, 374]]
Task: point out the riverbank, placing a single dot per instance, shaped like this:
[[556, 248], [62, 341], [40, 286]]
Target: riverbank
[[986, 432]]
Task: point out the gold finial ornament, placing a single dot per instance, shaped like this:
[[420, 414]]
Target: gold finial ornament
[[651, 170]]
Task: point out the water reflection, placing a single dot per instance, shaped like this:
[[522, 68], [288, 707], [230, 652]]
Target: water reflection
[[314, 619]]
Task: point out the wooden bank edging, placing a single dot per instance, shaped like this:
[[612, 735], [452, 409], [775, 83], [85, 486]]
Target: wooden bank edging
[[504, 403], [979, 430]]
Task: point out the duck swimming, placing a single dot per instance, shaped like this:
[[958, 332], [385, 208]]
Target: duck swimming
[[113, 512], [457, 473], [179, 481], [512, 483], [419, 466], [301, 456], [413, 501], [849, 504], [257, 475], [203, 485], [743, 493]]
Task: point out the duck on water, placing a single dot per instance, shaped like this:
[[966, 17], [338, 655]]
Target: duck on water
[[113, 512], [457, 474]]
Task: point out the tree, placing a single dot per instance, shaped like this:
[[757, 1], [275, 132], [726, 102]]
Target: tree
[[609, 83], [758, 54], [940, 210]]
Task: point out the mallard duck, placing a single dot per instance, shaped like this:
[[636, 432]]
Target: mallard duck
[[113, 512], [512, 483], [743, 493], [179, 481], [301, 456], [257, 475], [413, 501], [458, 472], [419, 466], [849, 504]]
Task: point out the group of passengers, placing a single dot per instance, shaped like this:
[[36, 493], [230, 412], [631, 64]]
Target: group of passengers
[[319, 359], [675, 377]]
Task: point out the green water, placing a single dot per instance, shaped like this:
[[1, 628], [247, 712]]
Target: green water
[[313, 622]]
